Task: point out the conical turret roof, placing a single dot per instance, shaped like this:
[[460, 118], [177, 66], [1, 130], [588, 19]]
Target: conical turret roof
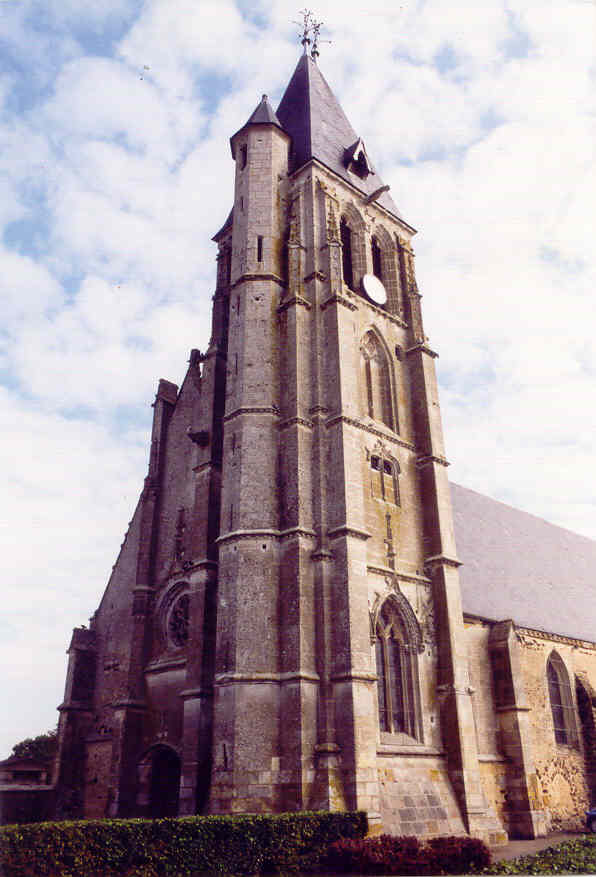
[[264, 114], [310, 113]]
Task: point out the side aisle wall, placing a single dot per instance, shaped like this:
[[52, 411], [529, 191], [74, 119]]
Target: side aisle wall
[[517, 749]]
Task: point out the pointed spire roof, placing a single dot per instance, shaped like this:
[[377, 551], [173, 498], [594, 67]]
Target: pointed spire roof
[[310, 113], [264, 114]]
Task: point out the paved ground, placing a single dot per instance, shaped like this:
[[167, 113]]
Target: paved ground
[[517, 848]]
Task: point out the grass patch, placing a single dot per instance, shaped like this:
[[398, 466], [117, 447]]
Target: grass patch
[[570, 857]]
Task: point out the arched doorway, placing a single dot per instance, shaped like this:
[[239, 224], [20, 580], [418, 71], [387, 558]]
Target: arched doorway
[[586, 717], [159, 782]]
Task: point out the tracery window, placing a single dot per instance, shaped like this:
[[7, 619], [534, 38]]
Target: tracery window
[[384, 479], [561, 700], [377, 379], [397, 674], [178, 621]]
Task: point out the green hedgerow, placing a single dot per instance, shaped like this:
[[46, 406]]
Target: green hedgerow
[[244, 844]]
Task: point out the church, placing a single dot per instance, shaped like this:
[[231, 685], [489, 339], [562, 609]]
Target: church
[[305, 614]]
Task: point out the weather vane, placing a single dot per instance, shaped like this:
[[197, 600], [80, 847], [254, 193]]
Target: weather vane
[[310, 36]]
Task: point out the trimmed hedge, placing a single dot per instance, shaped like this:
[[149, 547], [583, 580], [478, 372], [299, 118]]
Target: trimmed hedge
[[386, 854], [245, 844]]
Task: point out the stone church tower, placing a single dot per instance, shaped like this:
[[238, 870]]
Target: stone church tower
[[283, 627]]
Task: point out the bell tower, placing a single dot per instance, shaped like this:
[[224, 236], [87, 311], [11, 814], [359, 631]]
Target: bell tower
[[340, 654]]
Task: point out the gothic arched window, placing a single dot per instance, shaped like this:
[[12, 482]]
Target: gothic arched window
[[561, 700], [377, 262], [345, 233], [377, 379], [397, 674]]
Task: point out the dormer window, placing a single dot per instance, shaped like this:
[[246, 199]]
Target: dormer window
[[357, 161]]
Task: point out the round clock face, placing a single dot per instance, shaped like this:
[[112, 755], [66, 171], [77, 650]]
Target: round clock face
[[374, 289]]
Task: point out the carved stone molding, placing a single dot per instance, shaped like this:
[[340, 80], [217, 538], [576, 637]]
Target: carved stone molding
[[240, 411], [249, 278], [345, 530], [237, 535], [359, 424], [295, 301], [315, 275], [293, 421], [402, 576], [340, 300], [402, 606]]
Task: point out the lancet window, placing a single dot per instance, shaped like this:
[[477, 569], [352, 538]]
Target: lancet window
[[384, 479], [377, 380], [345, 233], [561, 700], [397, 674], [377, 262]]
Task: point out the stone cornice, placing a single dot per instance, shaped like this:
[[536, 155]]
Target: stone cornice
[[129, 705], [346, 530], [354, 676], [295, 421], [321, 555], [162, 664], [402, 576], [232, 678], [393, 318], [236, 535], [304, 532], [196, 693], [251, 277], [246, 534], [514, 708], [555, 637], [250, 410], [292, 302], [414, 748], [340, 300], [318, 411], [352, 421]]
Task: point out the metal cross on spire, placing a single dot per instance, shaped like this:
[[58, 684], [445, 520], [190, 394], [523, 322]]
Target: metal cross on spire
[[310, 36]]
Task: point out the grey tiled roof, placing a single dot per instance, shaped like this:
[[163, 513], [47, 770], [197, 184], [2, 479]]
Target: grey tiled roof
[[518, 566], [311, 115]]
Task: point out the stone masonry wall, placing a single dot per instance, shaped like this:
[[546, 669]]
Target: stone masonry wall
[[561, 769]]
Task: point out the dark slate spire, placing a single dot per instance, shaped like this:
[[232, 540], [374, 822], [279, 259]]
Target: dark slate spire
[[310, 114], [264, 114]]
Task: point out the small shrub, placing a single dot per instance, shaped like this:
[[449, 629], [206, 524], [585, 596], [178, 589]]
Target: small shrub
[[407, 856], [458, 855]]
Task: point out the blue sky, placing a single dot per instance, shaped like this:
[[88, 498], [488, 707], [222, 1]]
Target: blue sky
[[115, 172]]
